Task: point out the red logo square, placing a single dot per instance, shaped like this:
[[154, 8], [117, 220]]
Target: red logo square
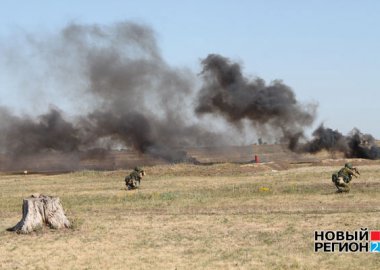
[[375, 235]]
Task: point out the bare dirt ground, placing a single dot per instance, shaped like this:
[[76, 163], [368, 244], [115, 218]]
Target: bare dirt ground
[[221, 216]]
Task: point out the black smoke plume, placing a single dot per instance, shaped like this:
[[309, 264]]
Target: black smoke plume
[[271, 108], [49, 132], [122, 92], [126, 94], [353, 145]]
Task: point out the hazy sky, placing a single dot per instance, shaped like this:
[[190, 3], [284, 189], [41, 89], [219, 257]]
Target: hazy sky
[[327, 51]]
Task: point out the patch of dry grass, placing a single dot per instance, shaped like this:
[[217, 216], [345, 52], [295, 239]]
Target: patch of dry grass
[[222, 216]]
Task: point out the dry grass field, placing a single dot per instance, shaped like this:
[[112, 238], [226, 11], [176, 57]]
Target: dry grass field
[[222, 216]]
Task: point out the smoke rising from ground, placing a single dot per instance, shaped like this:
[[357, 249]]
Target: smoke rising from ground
[[124, 93], [25, 136], [270, 108], [130, 94], [354, 145]]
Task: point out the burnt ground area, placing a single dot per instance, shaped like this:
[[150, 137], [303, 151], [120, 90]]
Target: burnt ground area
[[275, 156]]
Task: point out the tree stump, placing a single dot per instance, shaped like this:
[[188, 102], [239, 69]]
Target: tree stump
[[39, 210]]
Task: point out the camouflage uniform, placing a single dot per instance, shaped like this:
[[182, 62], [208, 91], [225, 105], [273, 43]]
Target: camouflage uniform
[[343, 177], [132, 181]]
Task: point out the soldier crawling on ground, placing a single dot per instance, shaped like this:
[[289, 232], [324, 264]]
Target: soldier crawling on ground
[[343, 177], [132, 181]]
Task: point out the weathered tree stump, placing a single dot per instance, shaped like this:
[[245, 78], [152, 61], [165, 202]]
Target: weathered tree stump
[[40, 210]]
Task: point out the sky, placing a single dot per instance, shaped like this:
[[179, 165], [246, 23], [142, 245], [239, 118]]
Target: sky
[[326, 51]]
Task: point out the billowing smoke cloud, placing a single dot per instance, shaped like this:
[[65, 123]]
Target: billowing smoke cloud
[[128, 93], [270, 108], [124, 93], [354, 145], [25, 136]]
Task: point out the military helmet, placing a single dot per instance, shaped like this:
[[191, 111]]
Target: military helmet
[[348, 165]]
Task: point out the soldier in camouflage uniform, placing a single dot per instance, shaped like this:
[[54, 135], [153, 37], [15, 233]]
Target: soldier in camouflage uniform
[[343, 177], [132, 181]]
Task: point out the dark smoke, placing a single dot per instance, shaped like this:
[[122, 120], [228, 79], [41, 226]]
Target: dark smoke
[[124, 93], [354, 145], [270, 108], [49, 132], [128, 93]]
